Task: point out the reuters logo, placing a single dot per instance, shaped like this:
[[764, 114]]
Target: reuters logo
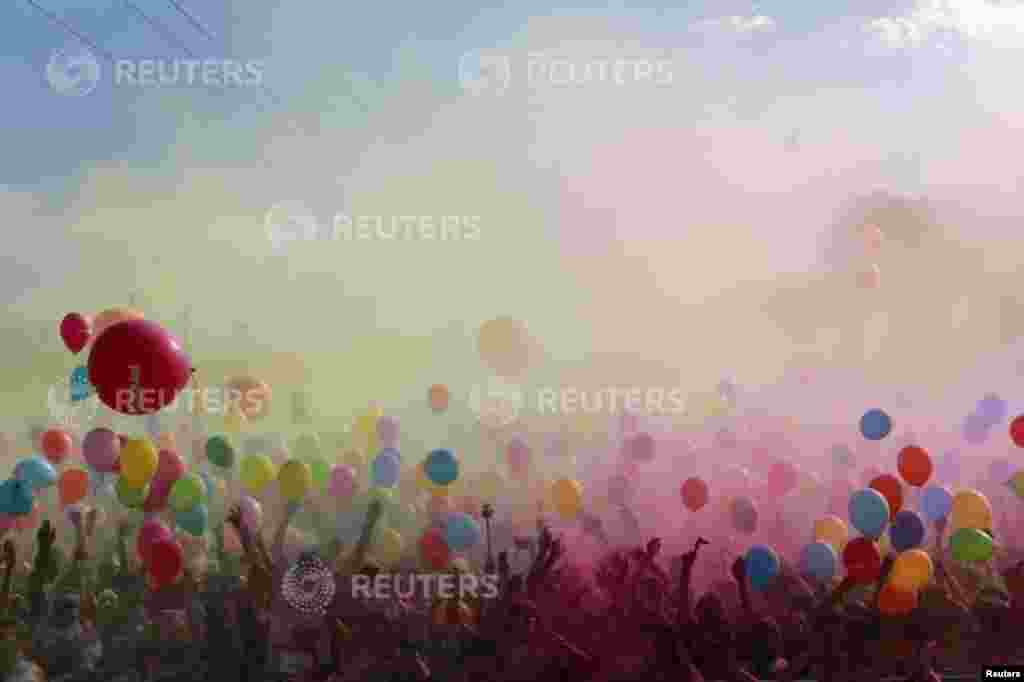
[[496, 403]]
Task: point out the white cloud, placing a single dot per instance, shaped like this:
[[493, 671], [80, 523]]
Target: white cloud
[[998, 23], [738, 25]]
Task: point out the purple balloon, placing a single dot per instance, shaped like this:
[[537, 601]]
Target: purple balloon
[[100, 449], [1000, 470], [976, 429], [252, 512], [992, 409], [343, 482], [387, 431]]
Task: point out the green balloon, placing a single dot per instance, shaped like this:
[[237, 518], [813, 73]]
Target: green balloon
[[306, 447], [971, 544], [133, 498], [320, 469], [186, 493], [220, 452]]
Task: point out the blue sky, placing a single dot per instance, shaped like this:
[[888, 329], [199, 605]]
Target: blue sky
[[915, 97]]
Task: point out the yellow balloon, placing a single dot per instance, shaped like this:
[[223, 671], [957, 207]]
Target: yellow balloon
[[833, 531], [885, 545], [971, 509], [912, 570], [139, 460], [256, 472], [389, 547], [567, 495], [295, 479]]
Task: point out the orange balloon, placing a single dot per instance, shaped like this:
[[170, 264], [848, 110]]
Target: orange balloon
[[892, 491], [73, 486], [438, 397], [56, 445], [111, 317], [915, 465], [896, 601]]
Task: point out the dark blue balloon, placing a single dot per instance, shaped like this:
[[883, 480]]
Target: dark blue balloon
[[441, 467], [763, 566], [875, 424], [907, 531]]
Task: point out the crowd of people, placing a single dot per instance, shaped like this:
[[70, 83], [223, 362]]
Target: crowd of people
[[588, 598]]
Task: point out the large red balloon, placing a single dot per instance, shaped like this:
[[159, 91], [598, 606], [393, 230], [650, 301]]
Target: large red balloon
[[1017, 431], [138, 367], [74, 329], [863, 560]]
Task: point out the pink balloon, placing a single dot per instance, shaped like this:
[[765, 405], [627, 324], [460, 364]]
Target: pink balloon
[[518, 456], [387, 431], [252, 512], [639, 447], [782, 478], [170, 468], [100, 449], [159, 494], [343, 482], [6, 522]]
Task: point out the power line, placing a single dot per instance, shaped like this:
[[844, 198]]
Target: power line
[[71, 30], [164, 32], [191, 19]]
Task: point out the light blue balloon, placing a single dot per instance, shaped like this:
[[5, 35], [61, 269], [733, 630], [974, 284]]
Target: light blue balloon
[[36, 471], [80, 386], [386, 470], [819, 560], [441, 467], [393, 452], [763, 566], [195, 520], [461, 532], [15, 497], [869, 512], [936, 502]]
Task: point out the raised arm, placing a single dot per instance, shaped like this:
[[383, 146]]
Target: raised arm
[[685, 611], [373, 514], [277, 550]]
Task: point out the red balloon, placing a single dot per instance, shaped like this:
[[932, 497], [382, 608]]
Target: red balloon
[[138, 367], [166, 560], [1017, 431], [695, 493], [75, 331], [891, 490], [914, 465], [434, 549], [863, 560], [56, 445], [782, 478]]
